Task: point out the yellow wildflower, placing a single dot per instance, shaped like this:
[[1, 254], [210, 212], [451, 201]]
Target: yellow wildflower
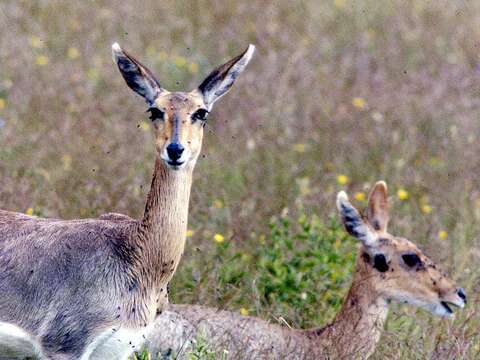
[[402, 194], [73, 53], [150, 51], [35, 42], [371, 33], [360, 196], [189, 233], [3, 103], [426, 209], [180, 61], [219, 238], [261, 239], [29, 211], [300, 148], [162, 56], [442, 234], [193, 67], [340, 3], [7, 83], [41, 60], [359, 102], [144, 125], [244, 311], [67, 161], [217, 204], [304, 186], [342, 179], [92, 74]]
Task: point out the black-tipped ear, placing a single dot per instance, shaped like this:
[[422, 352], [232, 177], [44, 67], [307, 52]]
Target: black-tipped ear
[[377, 211], [138, 77], [222, 78], [353, 222]]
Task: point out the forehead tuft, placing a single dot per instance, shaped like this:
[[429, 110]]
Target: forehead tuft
[[178, 100], [402, 244]]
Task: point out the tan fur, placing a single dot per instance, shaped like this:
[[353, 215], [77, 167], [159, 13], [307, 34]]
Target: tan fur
[[76, 288], [358, 325]]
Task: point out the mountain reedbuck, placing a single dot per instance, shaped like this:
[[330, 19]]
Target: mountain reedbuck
[[387, 268], [85, 289]]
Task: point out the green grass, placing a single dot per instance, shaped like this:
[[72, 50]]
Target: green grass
[[367, 89]]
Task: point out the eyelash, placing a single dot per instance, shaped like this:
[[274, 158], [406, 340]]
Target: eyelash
[[156, 114]]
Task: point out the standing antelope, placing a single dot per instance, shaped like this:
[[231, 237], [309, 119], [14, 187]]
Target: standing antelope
[[388, 268], [83, 289]]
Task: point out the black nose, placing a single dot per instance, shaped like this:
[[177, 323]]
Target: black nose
[[461, 294], [174, 151]]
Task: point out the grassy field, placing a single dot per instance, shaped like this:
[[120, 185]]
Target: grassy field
[[339, 94]]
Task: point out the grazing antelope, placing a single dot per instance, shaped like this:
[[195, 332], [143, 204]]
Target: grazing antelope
[[387, 268], [84, 289]]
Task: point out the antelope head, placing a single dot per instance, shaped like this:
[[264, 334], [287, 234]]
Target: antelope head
[[179, 117], [397, 267]]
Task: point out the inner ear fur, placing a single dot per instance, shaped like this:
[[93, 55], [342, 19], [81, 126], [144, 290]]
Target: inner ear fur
[[222, 78], [137, 76]]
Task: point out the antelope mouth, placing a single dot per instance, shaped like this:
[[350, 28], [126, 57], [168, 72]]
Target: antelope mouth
[[447, 305], [175, 164]]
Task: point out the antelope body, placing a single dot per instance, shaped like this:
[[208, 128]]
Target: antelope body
[[89, 289], [387, 268]]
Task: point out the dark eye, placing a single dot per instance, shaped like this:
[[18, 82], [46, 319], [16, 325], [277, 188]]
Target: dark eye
[[200, 114], [411, 259], [156, 114], [380, 263]]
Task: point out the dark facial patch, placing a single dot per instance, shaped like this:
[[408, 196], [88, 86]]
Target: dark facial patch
[[411, 260], [380, 263], [376, 224], [156, 114], [200, 114], [383, 241]]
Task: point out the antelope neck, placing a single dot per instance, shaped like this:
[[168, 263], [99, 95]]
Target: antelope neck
[[162, 230]]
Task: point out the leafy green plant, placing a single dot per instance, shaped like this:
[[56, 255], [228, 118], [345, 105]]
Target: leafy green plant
[[303, 267]]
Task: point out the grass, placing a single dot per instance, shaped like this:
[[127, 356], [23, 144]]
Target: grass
[[340, 94]]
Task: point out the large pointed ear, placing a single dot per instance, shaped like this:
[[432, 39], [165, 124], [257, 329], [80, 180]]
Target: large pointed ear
[[137, 76], [353, 222], [222, 78], [377, 211]]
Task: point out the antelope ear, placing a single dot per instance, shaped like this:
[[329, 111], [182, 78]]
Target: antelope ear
[[138, 77], [377, 211], [222, 78], [353, 222]]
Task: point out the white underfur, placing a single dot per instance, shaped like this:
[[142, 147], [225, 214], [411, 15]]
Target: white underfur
[[116, 49], [16, 343], [117, 344]]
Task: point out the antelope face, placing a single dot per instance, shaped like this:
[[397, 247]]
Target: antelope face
[[178, 120], [179, 117], [397, 267]]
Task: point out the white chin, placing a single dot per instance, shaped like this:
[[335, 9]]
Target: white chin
[[440, 310], [175, 165]]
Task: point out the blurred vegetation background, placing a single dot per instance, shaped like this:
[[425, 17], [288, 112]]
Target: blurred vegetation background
[[340, 94]]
